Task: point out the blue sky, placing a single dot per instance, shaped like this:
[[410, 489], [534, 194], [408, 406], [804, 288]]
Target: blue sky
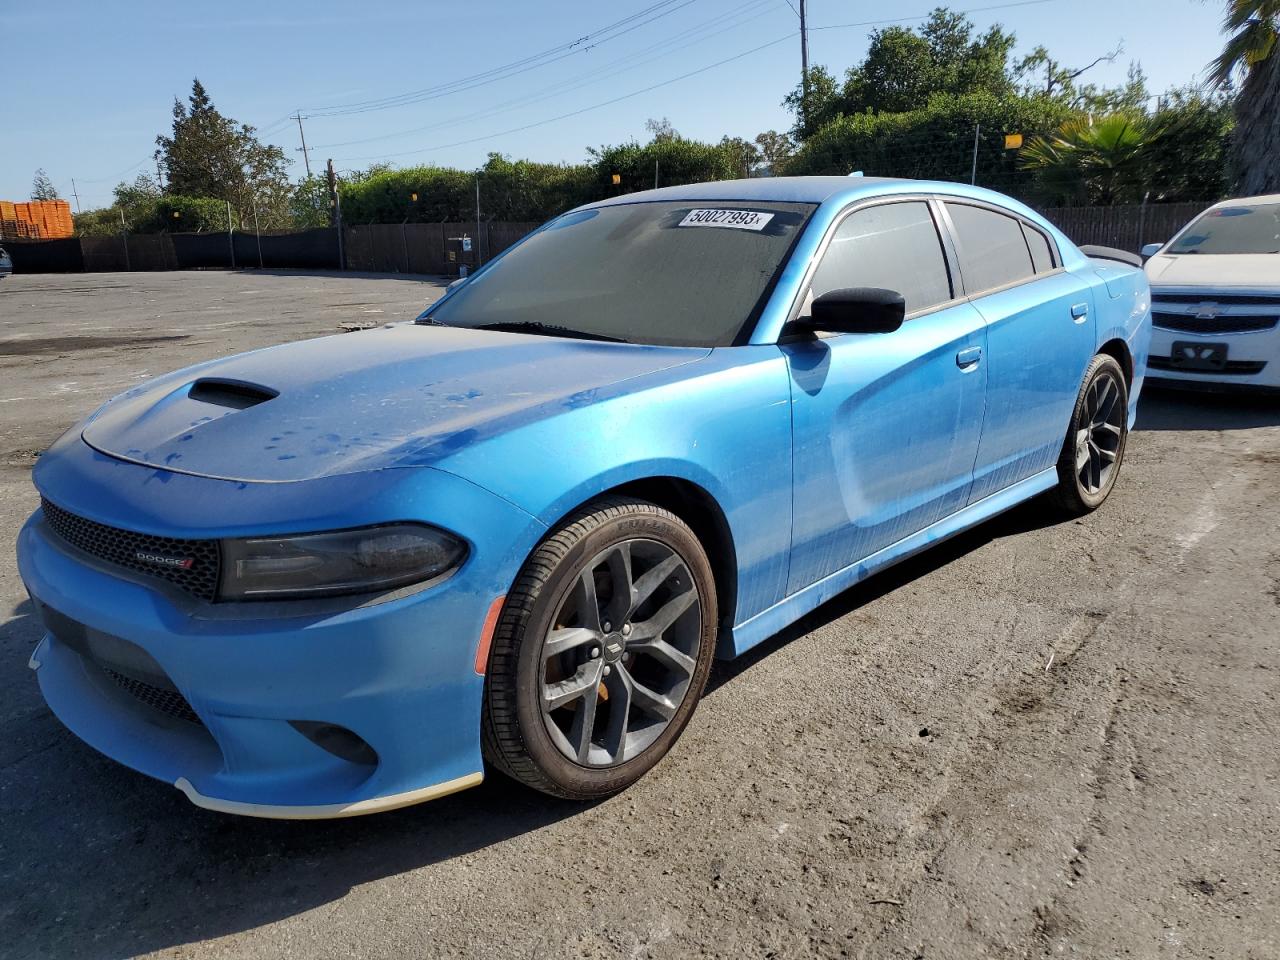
[[91, 84]]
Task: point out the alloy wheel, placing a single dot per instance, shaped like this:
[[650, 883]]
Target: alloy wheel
[[620, 656], [1100, 434]]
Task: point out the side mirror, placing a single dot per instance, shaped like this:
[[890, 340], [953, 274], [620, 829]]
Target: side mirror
[[1150, 250], [857, 310], [456, 284]]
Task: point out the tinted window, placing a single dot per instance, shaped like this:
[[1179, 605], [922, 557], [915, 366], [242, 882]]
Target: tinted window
[[1041, 254], [1238, 229], [895, 246], [993, 251], [668, 273]]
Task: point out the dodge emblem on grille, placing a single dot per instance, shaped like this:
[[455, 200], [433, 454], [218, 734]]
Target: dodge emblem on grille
[[159, 560]]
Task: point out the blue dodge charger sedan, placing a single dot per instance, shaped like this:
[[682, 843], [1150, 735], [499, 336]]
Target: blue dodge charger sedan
[[344, 575]]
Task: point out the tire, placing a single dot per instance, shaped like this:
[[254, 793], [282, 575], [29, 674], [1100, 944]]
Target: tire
[[1096, 438], [631, 688]]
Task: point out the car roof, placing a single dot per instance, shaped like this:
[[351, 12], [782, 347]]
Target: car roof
[[1250, 201], [776, 189], [816, 190]]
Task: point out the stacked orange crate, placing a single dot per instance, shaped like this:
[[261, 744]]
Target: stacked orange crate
[[8, 220]]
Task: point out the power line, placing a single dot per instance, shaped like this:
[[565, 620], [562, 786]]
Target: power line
[[506, 71], [925, 16], [697, 34], [574, 113]]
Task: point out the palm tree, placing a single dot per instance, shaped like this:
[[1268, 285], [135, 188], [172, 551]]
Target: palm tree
[[1096, 161], [1253, 49]]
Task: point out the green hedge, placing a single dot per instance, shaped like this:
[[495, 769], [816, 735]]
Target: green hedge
[[935, 143]]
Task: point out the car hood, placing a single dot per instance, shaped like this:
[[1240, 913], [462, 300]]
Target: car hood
[[1215, 271], [403, 395]]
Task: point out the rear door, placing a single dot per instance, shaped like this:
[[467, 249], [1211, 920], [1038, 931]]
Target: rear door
[[885, 425], [1040, 338]]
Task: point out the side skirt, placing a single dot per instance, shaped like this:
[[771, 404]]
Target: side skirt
[[768, 622]]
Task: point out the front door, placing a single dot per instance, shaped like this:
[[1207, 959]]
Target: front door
[[885, 426]]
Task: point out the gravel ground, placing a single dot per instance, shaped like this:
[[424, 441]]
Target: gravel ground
[[1041, 739]]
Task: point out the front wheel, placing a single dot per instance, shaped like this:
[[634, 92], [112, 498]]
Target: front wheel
[[1095, 442], [602, 651]]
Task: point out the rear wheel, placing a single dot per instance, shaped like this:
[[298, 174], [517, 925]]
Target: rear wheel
[[1095, 442], [602, 651]]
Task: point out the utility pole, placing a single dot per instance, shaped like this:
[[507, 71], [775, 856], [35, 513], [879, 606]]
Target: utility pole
[[655, 174], [335, 207], [477, 219], [804, 64], [124, 239], [257, 230], [231, 240], [76, 195], [973, 177], [306, 159], [333, 193]]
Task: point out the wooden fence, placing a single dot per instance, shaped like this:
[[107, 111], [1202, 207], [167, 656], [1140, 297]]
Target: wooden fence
[[1124, 227]]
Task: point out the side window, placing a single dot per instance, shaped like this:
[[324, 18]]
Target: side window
[[1041, 252], [993, 251], [891, 245]]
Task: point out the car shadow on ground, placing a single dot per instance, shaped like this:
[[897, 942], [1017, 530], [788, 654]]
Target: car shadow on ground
[[102, 862], [1035, 514], [1164, 408]]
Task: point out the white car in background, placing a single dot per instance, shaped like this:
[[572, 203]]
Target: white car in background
[[1215, 299], [6, 265]]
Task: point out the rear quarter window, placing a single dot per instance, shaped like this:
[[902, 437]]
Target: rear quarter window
[[1041, 252]]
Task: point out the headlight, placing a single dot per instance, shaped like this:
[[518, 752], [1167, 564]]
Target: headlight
[[344, 561]]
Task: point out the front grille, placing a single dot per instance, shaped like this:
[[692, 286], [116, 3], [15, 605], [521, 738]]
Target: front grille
[[1239, 323], [1221, 299], [124, 548], [1239, 368], [169, 702]]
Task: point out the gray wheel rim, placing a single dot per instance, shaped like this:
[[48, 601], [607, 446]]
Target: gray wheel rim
[[1100, 433], [621, 653]]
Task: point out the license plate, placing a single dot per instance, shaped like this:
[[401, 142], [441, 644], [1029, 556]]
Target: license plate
[[1194, 355]]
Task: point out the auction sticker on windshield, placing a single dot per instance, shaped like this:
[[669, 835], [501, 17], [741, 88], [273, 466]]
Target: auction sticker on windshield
[[735, 219]]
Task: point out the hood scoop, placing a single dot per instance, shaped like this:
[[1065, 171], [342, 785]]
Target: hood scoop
[[232, 394]]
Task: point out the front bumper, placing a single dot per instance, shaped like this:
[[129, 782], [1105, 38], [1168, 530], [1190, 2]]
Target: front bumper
[[399, 674], [1252, 358]]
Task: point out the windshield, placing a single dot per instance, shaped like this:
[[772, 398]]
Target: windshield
[[1251, 229], [679, 274]]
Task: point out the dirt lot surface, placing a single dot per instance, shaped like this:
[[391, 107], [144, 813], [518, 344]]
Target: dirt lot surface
[[1040, 740]]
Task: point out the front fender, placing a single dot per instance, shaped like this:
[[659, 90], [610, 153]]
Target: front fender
[[722, 423]]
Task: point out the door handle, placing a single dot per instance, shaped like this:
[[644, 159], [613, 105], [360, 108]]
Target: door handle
[[968, 358], [1079, 311]]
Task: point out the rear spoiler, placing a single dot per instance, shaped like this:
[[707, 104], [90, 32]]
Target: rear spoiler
[[1111, 253]]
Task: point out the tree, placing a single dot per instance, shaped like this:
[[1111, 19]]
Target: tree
[[1042, 75], [815, 104], [1252, 52], [744, 154], [42, 187], [775, 149], [903, 68], [1096, 161], [210, 155], [661, 130], [138, 200]]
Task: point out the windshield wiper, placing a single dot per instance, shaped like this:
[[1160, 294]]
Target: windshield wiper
[[547, 329], [430, 322]]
